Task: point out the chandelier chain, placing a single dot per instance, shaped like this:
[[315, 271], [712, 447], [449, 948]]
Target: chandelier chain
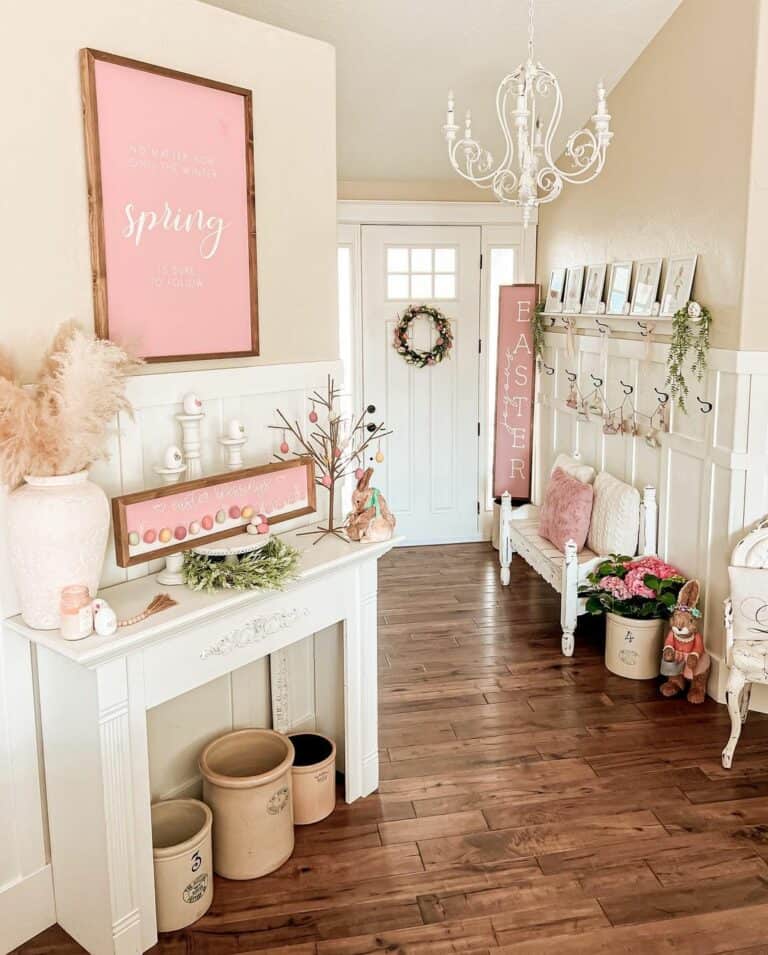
[[530, 30]]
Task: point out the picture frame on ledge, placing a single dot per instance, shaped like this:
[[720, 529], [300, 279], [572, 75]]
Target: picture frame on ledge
[[678, 284], [555, 291], [573, 289], [594, 284], [175, 517], [618, 288], [169, 159], [647, 275]]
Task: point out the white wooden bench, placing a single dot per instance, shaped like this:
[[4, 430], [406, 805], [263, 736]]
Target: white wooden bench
[[566, 572]]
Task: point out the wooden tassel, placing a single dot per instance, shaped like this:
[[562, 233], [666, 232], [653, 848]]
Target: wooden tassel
[[160, 602]]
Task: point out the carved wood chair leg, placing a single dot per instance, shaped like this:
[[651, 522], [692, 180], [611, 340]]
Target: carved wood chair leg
[[736, 683], [506, 551]]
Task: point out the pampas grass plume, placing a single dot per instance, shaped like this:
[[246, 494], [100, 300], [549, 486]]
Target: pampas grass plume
[[59, 424]]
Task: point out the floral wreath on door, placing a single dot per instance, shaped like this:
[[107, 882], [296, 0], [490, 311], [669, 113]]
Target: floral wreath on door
[[443, 343]]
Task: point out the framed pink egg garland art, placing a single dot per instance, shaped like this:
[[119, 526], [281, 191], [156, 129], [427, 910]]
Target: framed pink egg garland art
[[165, 520], [169, 158]]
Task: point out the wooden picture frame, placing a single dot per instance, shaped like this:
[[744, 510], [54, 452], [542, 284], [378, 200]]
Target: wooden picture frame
[[128, 514], [647, 275], [617, 297], [594, 283], [245, 325], [678, 284], [574, 285]]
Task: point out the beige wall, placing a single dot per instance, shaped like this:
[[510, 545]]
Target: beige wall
[[44, 244], [754, 324], [677, 176], [415, 190]]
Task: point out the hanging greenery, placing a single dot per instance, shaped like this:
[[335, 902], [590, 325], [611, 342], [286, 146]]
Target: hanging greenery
[[443, 342], [690, 331], [538, 331], [269, 568]]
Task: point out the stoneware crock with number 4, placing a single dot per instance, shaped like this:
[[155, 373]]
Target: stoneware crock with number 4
[[247, 784]]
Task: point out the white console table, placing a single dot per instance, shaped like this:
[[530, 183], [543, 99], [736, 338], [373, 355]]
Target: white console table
[[94, 695]]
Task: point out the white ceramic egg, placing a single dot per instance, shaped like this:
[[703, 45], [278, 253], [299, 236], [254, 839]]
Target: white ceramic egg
[[104, 618], [235, 429], [173, 457], [192, 404]]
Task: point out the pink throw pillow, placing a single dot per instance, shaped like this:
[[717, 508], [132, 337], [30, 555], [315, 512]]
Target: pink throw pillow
[[566, 510]]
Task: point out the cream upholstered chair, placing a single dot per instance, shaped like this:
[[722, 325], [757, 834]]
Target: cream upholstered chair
[[746, 628]]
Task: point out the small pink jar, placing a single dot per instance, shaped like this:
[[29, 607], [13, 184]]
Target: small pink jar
[[76, 613]]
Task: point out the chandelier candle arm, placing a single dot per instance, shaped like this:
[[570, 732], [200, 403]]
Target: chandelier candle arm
[[527, 175]]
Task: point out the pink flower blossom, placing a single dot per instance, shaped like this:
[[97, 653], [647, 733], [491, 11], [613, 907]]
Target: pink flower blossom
[[617, 587], [634, 581], [655, 566]]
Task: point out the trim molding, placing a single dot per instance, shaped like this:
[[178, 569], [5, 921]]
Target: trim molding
[[406, 212], [26, 908]]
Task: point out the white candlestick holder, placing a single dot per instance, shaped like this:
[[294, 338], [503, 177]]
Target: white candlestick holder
[[233, 452], [190, 443], [170, 575]]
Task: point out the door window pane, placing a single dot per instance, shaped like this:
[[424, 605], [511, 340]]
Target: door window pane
[[421, 286], [397, 286], [397, 260], [445, 286]]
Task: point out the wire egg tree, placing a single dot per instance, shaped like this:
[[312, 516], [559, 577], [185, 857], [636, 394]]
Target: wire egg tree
[[337, 445]]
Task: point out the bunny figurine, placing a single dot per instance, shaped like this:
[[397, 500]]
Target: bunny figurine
[[371, 520], [684, 656]]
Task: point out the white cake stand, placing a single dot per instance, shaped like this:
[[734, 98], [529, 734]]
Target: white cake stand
[[234, 546]]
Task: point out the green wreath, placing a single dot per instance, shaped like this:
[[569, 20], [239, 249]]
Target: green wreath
[[444, 342]]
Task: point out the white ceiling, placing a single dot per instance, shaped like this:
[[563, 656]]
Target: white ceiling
[[396, 59]]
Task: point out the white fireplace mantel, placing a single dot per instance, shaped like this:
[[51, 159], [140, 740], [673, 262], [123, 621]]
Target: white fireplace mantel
[[94, 694]]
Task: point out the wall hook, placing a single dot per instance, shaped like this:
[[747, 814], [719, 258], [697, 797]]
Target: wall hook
[[548, 369], [597, 382], [552, 321], [602, 327], [628, 389], [663, 396], [643, 326], [705, 406], [572, 376]]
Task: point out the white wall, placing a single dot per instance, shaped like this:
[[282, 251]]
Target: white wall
[[44, 247], [710, 471]]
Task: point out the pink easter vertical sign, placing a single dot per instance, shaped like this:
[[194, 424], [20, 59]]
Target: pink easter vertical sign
[[174, 236], [514, 392]]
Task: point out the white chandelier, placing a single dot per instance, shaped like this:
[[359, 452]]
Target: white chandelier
[[528, 175]]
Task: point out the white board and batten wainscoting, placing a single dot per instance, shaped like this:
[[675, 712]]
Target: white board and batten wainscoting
[[711, 470], [310, 671], [436, 471]]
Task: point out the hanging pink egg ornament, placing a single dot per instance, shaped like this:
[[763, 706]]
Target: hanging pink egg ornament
[[326, 480], [337, 452], [284, 449], [359, 472], [313, 416]]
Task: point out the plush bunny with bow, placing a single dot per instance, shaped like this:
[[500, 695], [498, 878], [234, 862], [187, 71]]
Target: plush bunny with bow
[[370, 520], [684, 656]]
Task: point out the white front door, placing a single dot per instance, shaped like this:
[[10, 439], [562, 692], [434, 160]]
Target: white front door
[[430, 470]]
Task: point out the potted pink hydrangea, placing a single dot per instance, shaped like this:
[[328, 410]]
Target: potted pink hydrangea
[[637, 595]]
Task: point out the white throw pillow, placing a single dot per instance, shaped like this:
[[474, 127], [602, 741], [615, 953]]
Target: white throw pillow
[[749, 595], [582, 472], [615, 523]]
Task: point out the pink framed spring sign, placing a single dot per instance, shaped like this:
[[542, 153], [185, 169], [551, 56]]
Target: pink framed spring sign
[[172, 218], [513, 436]]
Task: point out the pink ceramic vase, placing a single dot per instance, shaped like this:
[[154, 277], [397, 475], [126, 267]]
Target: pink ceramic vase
[[57, 533]]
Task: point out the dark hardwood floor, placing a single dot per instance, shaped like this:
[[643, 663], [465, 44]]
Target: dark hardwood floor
[[528, 802]]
